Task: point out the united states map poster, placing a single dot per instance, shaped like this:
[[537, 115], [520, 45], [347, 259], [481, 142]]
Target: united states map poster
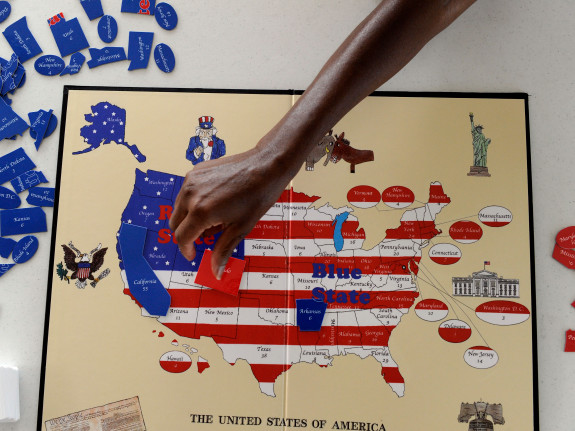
[[389, 288]]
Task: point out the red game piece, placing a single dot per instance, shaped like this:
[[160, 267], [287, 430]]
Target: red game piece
[[231, 277]]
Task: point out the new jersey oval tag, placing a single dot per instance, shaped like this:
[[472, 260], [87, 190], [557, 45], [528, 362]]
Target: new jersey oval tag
[[166, 16]]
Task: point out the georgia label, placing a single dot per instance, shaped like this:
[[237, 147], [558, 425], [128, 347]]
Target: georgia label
[[363, 196], [480, 357], [444, 254], [502, 313], [465, 232], [175, 362], [495, 216], [397, 197], [454, 331], [431, 310]]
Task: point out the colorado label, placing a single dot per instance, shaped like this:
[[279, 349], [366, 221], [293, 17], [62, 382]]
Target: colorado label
[[363, 196], [502, 313], [454, 331], [431, 310], [495, 216], [480, 357], [175, 362], [397, 197], [444, 254], [465, 232]]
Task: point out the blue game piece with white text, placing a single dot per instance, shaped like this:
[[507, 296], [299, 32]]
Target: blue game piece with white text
[[107, 28], [68, 35], [9, 69], [93, 8], [164, 57], [21, 221], [140, 49], [49, 65], [142, 7], [41, 196], [25, 249], [6, 247], [5, 268], [5, 10], [8, 199], [21, 40], [310, 314], [11, 123], [76, 62], [166, 16], [28, 180], [107, 55], [39, 122]]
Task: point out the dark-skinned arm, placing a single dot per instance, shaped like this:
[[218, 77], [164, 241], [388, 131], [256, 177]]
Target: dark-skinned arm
[[232, 193]]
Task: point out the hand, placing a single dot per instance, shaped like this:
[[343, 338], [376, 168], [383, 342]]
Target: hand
[[198, 152], [229, 194]]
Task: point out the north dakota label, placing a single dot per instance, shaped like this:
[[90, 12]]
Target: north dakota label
[[495, 216], [480, 357], [175, 362], [431, 310], [465, 232], [363, 196], [444, 254], [397, 197], [454, 331], [503, 313]]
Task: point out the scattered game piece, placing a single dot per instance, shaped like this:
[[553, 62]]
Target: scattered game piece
[[564, 245], [142, 7], [139, 49], [8, 199], [13, 164], [39, 123], [19, 76], [68, 35], [22, 221], [5, 10], [76, 62], [570, 341], [9, 69], [231, 277], [49, 65], [6, 247], [310, 314], [93, 8], [166, 16], [28, 180], [5, 268], [11, 123], [164, 57], [41, 196], [202, 364], [21, 40], [25, 249], [107, 28], [107, 55], [143, 283]]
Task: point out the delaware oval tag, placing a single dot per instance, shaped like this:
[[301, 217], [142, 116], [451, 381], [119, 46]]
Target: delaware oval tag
[[49, 65], [8, 199], [164, 57], [107, 28], [166, 16], [25, 249], [5, 10]]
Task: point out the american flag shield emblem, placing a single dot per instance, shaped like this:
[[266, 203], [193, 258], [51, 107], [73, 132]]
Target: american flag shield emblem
[[83, 270]]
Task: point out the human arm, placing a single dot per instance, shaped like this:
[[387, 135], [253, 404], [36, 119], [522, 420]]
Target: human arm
[[233, 193]]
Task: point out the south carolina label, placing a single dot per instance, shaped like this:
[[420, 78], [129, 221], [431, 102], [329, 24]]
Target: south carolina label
[[503, 313]]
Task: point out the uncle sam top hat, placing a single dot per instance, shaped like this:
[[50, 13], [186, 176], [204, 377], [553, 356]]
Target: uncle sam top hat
[[206, 122]]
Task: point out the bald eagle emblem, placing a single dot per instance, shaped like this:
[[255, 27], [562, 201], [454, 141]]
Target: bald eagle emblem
[[82, 265]]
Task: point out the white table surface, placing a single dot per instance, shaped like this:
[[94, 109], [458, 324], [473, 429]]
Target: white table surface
[[496, 46]]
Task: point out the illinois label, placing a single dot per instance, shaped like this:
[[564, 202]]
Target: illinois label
[[495, 216], [363, 196], [454, 331], [503, 313], [465, 232], [431, 310], [397, 197], [175, 362], [444, 254], [480, 357]]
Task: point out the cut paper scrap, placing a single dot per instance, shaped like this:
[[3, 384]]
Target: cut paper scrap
[[28, 180], [41, 196], [4, 268], [49, 65], [40, 124], [21, 40], [68, 35], [25, 249], [93, 8], [76, 62], [8, 199], [142, 7], [11, 123], [310, 314], [22, 221], [143, 283], [107, 28], [164, 57], [231, 277], [140, 49], [166, 16], [6, 247], [111, 54], [13, 164], [563, 251], [570, 341], [5, 10]]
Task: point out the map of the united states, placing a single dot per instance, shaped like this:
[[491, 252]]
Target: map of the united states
[[294, 239]]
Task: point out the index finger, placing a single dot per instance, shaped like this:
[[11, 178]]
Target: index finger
[[187, 232]]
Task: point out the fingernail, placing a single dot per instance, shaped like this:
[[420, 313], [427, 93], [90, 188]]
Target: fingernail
[[220, 271]]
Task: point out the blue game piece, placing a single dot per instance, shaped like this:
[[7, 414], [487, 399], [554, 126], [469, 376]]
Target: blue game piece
[[310, 314], [107, 28], [39, 122], [19, 77], [8, 199], [10, 124], [41, 196], [164, 57], [142, 7], [21, 221], [140, 49], [166, 16], [21, 40], [49, 65], [25, 249], [28, 180], [68, 35], [52, 124], [93, 8], [9, 69], [107, 55], [76, 62], [6, 247], [5, 10], [143, 283], [5, 268]]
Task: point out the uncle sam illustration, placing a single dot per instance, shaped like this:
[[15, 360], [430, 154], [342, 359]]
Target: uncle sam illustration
[[205, 145]]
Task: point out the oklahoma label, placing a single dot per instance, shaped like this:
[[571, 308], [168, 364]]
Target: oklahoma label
[[495, 216], [363, 196], [480, 357], [444, 254], [502, 313], [454, 331], [431, 310]]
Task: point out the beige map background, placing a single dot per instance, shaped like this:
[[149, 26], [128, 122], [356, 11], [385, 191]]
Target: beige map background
[[101, 350]]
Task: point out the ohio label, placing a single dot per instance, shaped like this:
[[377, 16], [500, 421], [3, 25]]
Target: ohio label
[[465, 232], [397, 197], [431, 310], [502, 313], [495, 216], [175, 362], [444, 254], [363, 196], [480, 357], [454, 331]]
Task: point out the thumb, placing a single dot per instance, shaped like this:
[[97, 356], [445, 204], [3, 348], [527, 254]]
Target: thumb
[[227, 242]]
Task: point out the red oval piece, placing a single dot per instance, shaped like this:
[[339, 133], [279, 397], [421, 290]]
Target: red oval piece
[[444, 254], [465, 232], [495, 216], [431, 310], [481, 357], [502, 313], [566, 237], [363, 196], [397, 197], [175, 362], [454, 331]]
